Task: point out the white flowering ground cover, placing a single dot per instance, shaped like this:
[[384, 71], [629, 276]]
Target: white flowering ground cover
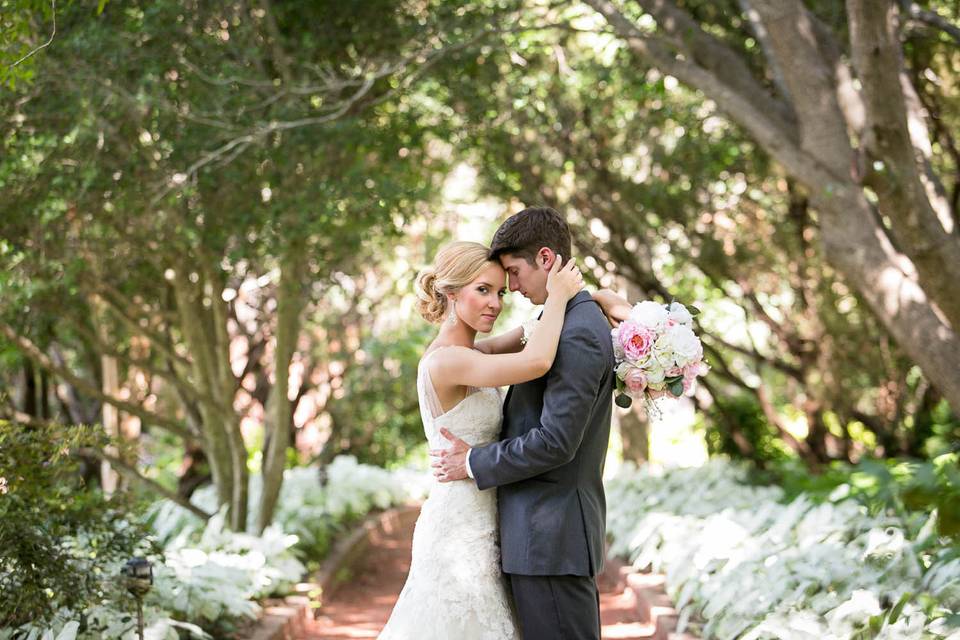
[[742, 563], [208, 573]]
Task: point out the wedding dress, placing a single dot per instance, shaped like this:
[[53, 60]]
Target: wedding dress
[[455, 589]]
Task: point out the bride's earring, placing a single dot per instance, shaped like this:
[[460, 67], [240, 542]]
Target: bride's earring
[[452, 319]]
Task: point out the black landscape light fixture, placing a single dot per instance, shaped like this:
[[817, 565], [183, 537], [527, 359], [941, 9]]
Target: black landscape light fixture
[[138, 579]]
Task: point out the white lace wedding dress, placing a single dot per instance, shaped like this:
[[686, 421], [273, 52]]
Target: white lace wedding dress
[[455, 589]]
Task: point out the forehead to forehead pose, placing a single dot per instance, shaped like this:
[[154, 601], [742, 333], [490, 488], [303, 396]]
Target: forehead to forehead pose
[[516, 452], [525, 244]]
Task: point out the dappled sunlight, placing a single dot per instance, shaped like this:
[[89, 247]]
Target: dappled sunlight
[[673, 439], [212, 221]]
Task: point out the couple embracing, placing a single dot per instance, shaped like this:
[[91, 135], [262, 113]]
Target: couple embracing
[[511, 539]]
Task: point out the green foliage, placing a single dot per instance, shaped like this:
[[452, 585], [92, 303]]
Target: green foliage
[[384, 413], [741, 414], [665, 192], [914, 489], [60, 542], [938, 428]]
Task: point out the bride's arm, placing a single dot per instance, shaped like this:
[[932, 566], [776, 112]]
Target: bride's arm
[[460, 366], [507, 342], [614, 306]]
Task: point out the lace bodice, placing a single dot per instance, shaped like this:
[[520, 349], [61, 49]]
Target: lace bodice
[[475, 419], [455, 588]]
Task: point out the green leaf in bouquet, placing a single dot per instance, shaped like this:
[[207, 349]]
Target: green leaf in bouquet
[[694, 311], [623, 400], [670, 380], [676, 388]]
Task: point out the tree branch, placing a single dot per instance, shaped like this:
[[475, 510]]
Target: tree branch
[[777, 137], [112, 299], [38, 356], [53, 11], [131, 472], [931, 18]]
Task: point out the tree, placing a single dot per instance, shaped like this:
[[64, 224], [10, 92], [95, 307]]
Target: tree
[[678, 203], [168, 152], [843, 118]]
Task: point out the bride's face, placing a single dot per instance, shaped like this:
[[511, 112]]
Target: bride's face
[[480, 302]]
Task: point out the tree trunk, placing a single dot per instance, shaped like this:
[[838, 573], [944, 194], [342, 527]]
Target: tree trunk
[[855, 244], [29, 402], [203, 322], [815, 149], [279, 408], [634, 424], [109, 478], [635, 435], [191, 475]]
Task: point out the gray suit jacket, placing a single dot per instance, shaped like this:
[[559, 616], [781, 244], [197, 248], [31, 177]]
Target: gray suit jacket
[[548, 464]]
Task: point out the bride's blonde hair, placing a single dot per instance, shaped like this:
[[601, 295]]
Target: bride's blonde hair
[[456, 265]]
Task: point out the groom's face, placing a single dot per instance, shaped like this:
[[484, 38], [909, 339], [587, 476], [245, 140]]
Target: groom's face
[[529, 279]]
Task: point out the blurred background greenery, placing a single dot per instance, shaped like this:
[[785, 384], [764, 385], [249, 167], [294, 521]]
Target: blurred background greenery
[[212, 214]]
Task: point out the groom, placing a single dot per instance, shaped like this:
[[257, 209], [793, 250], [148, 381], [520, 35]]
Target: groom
[[549, 461]]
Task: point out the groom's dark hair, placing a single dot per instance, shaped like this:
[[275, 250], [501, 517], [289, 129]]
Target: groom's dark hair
[[524, 233]]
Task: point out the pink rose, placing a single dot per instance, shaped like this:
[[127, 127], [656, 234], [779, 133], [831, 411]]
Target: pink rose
[[695, 369], [690, 373], [635, 340], [636, 381]]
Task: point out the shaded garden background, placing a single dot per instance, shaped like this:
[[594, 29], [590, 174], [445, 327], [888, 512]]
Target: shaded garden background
[[212, 215]]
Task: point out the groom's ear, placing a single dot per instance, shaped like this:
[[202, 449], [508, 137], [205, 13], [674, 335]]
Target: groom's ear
[[545, 258]]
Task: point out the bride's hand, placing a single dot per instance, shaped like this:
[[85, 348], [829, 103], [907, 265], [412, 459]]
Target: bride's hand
[[564, 281]]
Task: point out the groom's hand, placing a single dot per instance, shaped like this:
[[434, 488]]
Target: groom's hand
[[450, 464]]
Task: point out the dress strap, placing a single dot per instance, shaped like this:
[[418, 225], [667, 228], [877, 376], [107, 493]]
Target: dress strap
[[429, 391]]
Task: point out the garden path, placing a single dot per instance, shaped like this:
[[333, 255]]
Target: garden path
[[360, 608]]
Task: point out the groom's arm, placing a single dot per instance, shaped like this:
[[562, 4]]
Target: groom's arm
[[570, 394]]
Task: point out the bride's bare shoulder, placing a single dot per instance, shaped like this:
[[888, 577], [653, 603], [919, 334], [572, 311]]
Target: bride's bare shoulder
[[444, 357]]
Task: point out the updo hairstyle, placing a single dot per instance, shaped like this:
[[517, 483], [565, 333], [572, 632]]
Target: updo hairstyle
[[456, 265]]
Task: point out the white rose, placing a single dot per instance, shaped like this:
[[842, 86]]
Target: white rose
[[684, 344], [655, 372], [679, 313], [649, 313]]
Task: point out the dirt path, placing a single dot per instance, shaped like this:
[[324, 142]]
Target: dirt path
[[360, 608]]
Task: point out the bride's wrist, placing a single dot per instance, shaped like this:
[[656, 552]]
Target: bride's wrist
[[554, 303]]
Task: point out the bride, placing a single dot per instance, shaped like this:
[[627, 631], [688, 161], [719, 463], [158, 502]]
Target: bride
[[455, 588]]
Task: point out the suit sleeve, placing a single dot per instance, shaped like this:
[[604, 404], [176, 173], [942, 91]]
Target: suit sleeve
[[569, 398]]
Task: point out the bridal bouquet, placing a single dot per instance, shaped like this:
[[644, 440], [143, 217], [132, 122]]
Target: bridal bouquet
[[658, 354]]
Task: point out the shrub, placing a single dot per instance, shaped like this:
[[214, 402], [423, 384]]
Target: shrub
[[60, 542]]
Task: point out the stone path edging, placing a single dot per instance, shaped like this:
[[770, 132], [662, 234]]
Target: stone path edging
[[349, 550], [653, 604], [288, 619], [285, 620]]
